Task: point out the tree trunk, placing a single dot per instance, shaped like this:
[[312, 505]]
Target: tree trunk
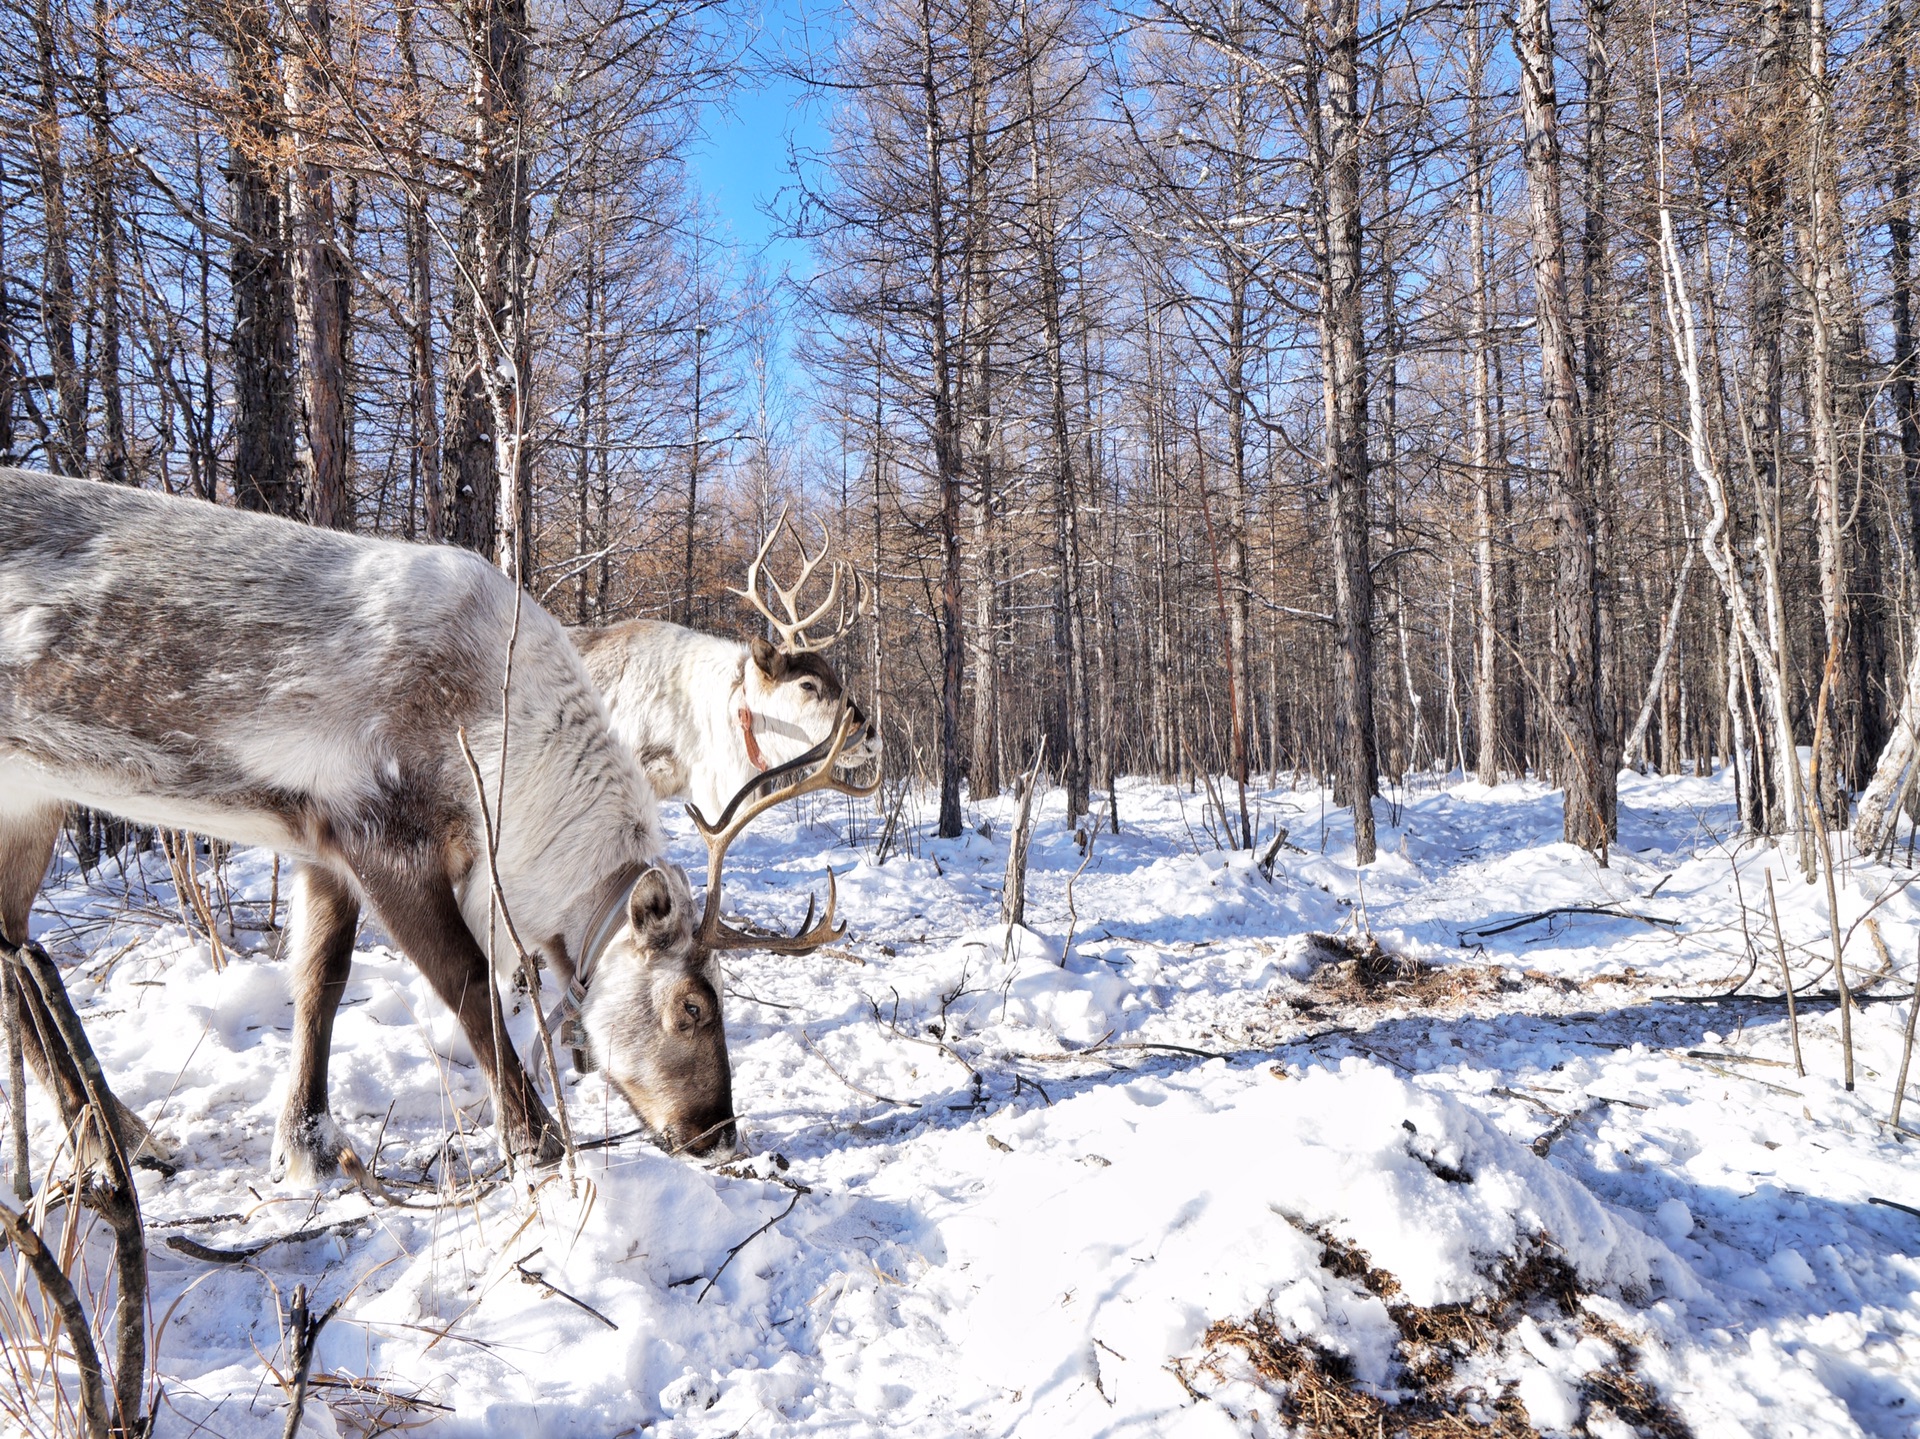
[[945, 440], [496, 383], [419, 261], [1575, 689], [106, 250], [1069, 618], [1597, 374], [318, 274], [261, 349], [68, 448], [978, 324], [1343, 327], [1489, 715]]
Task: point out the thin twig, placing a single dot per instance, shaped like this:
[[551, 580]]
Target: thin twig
[[526, 960], [1786, 979], [807, 1040], [540, 1281], [1906, 1050], [117, 1201], [734, 1252]]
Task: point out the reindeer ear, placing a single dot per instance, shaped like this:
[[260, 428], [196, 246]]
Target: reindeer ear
[[651, 902], [771, 662]]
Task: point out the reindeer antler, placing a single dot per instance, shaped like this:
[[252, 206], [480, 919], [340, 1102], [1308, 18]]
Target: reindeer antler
[[793, 629], [815, 769]]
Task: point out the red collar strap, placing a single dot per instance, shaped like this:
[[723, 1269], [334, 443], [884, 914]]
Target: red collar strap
[[754, 757]]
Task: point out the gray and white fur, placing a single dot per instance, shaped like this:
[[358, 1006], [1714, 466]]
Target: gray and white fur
[[696, 708], [268, 683]]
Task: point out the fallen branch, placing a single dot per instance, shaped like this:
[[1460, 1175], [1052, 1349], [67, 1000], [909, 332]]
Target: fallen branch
[[1544, 1143], [1602, 910], [540, 1281], [734, 1252], [1103, 1048], [206, 1253], [1893, 1204], [807, 1040]]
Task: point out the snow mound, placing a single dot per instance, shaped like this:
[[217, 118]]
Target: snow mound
[[1128, 1219]]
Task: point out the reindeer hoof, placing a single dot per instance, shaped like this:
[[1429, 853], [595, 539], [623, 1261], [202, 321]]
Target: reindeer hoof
[[306, 1151]]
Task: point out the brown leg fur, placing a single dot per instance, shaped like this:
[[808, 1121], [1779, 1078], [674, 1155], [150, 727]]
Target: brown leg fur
[[420, 912], [325, 914]]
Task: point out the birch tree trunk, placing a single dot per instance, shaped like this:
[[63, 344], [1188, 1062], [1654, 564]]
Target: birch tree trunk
[[1343, 326], [419, 262], [1489, 715], [499, 38]]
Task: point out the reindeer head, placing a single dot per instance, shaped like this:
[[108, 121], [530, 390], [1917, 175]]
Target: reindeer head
[[652, 1012], [652, 1017], [793, 696]]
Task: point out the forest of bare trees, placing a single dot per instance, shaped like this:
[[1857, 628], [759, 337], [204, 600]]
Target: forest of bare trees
[[1204, 388]]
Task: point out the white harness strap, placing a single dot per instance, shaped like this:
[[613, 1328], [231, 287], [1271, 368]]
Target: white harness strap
[[563, 1021]]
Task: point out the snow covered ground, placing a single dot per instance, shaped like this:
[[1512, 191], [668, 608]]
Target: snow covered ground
[[980, 1200]]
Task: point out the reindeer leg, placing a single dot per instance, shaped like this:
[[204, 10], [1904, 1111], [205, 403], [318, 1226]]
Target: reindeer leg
[[26, 846], [307, 1145], [421, 913]]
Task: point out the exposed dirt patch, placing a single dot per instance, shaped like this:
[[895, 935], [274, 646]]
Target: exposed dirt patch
[[1318, 1395]]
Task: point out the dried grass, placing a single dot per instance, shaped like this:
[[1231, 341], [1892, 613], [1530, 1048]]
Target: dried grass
[[1363, 971], [1318, 1395]]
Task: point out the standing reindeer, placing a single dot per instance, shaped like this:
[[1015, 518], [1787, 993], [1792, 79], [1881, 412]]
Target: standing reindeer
[[320, 693], [705, 715]]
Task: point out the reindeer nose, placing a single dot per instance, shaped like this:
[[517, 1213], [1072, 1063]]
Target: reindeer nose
[[723, 1137]]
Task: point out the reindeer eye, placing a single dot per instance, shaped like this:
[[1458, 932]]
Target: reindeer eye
[[692, 1009], [810, 687]]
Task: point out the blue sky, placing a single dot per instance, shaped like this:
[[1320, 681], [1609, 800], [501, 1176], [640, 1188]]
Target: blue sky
[[742, 162]]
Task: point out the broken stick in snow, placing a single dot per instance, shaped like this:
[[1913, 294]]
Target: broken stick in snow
[[306, 1331], [1786, 979], [1906, 1050], [1013, 897]]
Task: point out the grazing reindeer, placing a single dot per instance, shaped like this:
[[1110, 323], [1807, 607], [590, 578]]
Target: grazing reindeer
[[705, 715], [269, 683]]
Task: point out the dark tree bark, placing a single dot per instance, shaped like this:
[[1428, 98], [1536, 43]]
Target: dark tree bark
[[261, 343], [68, 448], [946, 446], [492, 352], [1900, 258], [106, 264], [1575, 686], [319, 275]]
